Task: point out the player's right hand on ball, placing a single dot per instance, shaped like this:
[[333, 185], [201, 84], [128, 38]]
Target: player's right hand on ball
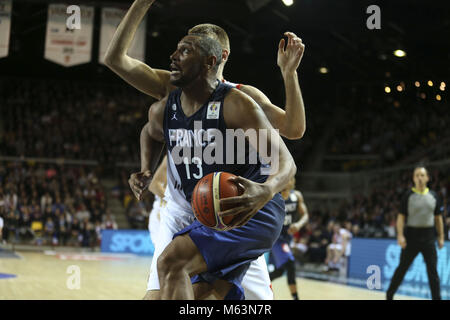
[[245, 206], [139, 183], [401, 242]]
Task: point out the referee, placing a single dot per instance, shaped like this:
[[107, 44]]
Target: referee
[[421, 210]]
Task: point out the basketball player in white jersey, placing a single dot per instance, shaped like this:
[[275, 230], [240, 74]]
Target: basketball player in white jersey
[[154, 82], [340, 246], [157, 187]]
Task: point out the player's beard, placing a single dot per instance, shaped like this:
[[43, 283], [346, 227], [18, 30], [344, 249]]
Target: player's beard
[[184, 79]]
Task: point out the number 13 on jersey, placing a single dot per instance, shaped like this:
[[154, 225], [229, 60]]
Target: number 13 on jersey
[[198, 162]]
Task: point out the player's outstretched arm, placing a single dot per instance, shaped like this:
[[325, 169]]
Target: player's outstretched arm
[[292, 121], [256, 195], [154, 82], [152, 144]]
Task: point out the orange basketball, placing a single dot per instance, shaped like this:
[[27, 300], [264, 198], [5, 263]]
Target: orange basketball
[[206, 195]]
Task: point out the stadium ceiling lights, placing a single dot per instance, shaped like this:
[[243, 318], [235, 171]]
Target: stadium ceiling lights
[[399, 53], [323, 70], [288, 3]]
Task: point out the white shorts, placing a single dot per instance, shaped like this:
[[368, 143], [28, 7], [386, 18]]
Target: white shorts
[[338, 246], [154, 220], [256, 281]]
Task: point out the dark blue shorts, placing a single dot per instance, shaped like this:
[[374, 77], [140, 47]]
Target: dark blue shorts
[[281, 253], [228, 253]]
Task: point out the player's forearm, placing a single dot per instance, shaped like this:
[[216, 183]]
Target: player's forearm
[[150, 150], [157, 188], [295, 119], [126, 31], [439, 223], [286, 169], [303, 220], [158, 184]]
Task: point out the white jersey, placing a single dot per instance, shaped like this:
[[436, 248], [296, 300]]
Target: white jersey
[[174, 191], [340, 239]]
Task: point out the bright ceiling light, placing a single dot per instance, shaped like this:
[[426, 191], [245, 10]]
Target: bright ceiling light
[[430, 83], [399, 53], [323, 70], [288, 3], [387, 89]]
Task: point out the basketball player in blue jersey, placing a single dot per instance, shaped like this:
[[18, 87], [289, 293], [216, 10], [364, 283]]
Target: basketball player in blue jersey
[[155, 82], [217, 258], [281, 255]]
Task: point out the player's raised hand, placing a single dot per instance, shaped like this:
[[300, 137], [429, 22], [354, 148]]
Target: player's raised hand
[[139, 182], [245, 206], [290, 54]]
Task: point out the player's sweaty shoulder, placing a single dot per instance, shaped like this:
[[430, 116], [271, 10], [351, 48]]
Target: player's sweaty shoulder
[[156, 111], [240, 110], [155, 124], [237, 101]]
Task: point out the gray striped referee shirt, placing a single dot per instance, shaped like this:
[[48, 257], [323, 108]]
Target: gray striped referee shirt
[[420, 208]]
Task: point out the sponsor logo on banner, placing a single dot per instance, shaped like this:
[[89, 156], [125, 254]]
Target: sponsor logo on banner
[[111, 18], [127, 241], [385, 255], [64, 46], [5, 27]]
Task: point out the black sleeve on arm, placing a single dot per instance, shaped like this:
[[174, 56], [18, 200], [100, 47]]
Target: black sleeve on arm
[[404, 203], [439, 208]]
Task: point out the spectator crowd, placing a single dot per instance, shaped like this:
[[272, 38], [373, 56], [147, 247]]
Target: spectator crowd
[[52, 204], [395, 133], [57, 119]]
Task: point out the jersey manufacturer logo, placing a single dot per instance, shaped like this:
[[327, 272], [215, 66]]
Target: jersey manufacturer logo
[[213, 110]]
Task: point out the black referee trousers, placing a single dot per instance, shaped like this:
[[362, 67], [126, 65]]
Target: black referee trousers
[[425, 243]]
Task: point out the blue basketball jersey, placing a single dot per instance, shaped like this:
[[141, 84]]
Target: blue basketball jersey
[[292, 215], [198, 145]]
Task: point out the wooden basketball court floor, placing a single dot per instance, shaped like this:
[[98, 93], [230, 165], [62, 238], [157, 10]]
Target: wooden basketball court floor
[[36, 275]]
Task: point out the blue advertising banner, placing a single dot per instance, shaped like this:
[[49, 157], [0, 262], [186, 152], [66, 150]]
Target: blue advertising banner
[[372, 257], [127, 241]]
